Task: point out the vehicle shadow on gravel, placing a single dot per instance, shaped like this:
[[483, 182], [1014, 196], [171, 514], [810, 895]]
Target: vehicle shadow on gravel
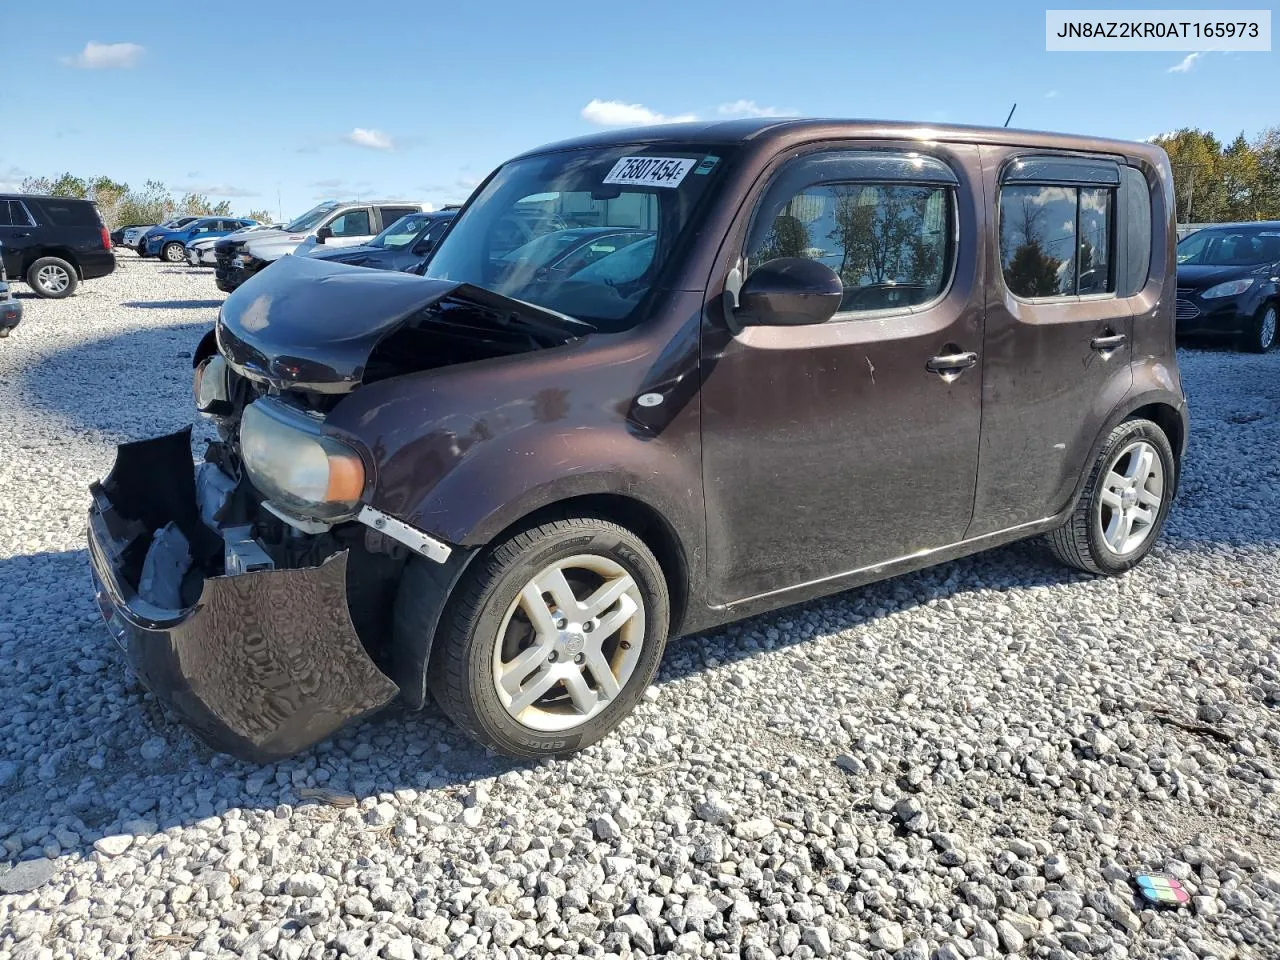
[[173, 304]]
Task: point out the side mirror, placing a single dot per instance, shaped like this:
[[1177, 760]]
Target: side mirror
[[787, 292], [323, 234]]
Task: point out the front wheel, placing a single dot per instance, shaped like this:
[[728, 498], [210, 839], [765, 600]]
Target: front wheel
[[549, 639], [173, 253], [1124, 504], [52, 278], [1263, 335]]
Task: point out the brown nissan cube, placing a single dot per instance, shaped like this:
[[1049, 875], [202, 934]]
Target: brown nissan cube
[[786, 358]]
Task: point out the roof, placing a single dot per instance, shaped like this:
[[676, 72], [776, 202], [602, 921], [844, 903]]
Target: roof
[[766, 128], [42, 196]]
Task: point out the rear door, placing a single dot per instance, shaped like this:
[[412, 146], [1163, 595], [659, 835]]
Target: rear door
[[17, 234], [1059, 332]]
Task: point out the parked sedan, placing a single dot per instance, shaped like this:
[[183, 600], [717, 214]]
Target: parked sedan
[[1229, 283], [141, 244], [404, 245], [170, 244]]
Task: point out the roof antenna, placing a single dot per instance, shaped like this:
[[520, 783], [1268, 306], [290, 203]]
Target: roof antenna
[[1010, 116]]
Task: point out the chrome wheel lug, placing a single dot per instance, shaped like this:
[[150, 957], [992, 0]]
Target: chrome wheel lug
[[580, 659], [553, 656], [588, 626]]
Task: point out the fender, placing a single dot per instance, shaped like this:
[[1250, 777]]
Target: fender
[[1146, 393]]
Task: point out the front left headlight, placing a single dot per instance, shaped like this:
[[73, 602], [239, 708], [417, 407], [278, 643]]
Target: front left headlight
[[297, 467], [1229, 289]]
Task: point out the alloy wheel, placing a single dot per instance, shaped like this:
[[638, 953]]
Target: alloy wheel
[[1131, 497], [52, 278], [1267, 329], [569, 643], [173, 253]]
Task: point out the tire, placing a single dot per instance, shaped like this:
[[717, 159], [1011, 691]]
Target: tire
[[173, 253], [485, 628], [1088, 540], [1263, 335], [52, 278]]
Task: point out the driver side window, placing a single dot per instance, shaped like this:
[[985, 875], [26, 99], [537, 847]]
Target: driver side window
[[888, 243], [883, 221], [353, 223]]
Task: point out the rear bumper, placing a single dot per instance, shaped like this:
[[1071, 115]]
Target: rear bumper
[[10, 315], [95, 264], [262, 664]]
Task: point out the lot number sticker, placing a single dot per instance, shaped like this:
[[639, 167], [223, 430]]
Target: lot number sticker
[[650, 171]]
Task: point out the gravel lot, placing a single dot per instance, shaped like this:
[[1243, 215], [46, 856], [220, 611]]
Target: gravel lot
[[969, 761]]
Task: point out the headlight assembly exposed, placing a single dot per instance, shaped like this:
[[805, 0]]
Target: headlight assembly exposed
[[1229, 289], [210, 386], [295, 466]]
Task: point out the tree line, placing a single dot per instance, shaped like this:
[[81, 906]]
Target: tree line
[[1215, 182], [120, 204]]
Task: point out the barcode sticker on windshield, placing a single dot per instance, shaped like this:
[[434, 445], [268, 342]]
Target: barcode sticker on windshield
[[651, 171]]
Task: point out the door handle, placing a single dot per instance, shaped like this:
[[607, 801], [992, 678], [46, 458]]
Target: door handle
[[951, 363], [25, 233], [1109, 342]]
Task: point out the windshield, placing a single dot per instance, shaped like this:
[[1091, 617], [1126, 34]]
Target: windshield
[[401, 233], [1237, 247], [515, 234], [311, 217]]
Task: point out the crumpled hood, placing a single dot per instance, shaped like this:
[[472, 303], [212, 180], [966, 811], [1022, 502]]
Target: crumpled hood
[[311, 324]]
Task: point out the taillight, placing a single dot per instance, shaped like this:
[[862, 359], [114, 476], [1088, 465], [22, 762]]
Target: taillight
[[106, 239]]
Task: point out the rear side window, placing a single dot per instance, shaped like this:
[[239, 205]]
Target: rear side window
[[13, 214], [391, 214], [71, 213], [1133, 256], [1058, 239], [875, 219]]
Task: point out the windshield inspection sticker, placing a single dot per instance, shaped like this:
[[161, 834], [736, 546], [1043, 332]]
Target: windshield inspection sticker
[[650, 171]]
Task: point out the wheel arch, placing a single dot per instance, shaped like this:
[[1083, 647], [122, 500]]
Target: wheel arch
[[62, 253], [642, 519], [1165, 409]]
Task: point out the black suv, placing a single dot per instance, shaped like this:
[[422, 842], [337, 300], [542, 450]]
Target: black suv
[[53, 242]]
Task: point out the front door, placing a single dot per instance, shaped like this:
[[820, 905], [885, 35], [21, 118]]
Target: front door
[[1059, 332], [351, 228], [839, 446]]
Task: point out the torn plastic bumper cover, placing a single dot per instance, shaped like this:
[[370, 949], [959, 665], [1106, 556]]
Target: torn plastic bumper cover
[[263, 664]]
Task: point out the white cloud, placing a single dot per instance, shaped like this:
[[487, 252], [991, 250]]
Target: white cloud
[[615, 113], [749, 108], [105, 56], [11, 179], [373, 139], [1050, 94], [1186, 63]]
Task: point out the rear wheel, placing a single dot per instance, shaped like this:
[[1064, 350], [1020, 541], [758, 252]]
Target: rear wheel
[[1124, 504], [52, 278], [1263, 335], [173, 253], [549, 639]]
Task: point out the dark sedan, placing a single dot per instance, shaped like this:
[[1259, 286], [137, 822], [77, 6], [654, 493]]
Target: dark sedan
[[405, 245], [1229, 283]]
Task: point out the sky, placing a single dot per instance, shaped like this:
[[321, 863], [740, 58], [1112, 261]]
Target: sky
[[277, 105]]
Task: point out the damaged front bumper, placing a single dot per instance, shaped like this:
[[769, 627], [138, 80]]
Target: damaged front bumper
[[261, 664]]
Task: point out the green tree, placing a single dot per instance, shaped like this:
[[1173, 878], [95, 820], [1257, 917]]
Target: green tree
[[788, 238], [262, 216]]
